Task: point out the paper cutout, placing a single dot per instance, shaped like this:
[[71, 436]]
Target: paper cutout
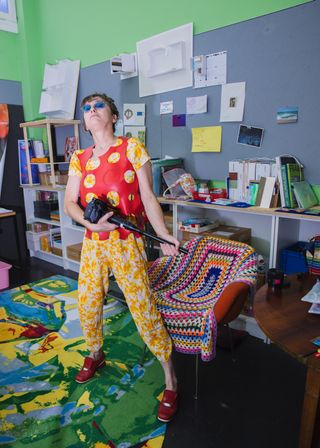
[[232, 101], [166, 107], [206, 139], [215, 70], [136, 131], [134, 114], [196, 104], [178, 120]]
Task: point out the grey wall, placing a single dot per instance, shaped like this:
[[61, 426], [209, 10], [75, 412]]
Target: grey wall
[[278, 57], [10, 92]]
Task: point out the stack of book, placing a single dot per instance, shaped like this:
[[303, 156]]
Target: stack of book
[[304, 194], [38, 158], [55, 241], [289, 172], [245, 175]]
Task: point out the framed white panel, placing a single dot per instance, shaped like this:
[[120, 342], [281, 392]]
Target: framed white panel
[[59, 89], [164, 61], [8, 17]]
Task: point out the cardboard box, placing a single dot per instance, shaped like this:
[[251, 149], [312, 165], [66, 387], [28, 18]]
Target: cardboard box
[[196, 228], [74, 251], [235, 233], [56, 251], [168, 219], [242, 234]]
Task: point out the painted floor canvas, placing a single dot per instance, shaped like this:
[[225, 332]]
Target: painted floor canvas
[[42, 348]]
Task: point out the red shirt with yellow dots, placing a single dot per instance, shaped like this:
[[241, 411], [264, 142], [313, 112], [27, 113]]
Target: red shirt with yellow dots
[[112, 178]]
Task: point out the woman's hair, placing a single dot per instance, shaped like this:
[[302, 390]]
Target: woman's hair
[[107, 100]]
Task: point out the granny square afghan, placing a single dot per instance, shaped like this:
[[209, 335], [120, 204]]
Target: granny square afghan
[[187, 287]]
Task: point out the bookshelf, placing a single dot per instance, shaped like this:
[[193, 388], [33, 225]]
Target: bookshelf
[[48, 124], [70, 233], [271, 230]]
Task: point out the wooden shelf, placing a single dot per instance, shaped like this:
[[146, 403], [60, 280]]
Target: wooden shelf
[[48, 121], [44, 187]]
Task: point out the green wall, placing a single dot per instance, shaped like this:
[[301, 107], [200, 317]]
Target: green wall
[[10, 68], [95, 30]]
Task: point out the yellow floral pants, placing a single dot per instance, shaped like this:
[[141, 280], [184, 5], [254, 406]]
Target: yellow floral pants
[[127, 261]]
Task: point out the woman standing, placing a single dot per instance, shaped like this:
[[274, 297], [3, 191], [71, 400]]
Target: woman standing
[[117, 170]]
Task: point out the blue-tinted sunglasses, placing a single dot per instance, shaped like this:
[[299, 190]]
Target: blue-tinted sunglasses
[[97, 105]]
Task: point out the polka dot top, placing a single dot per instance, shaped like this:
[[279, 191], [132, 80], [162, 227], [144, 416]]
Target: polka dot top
[[112, 178]]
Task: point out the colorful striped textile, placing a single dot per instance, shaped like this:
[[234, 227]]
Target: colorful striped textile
[[313, 255], [187, 287]]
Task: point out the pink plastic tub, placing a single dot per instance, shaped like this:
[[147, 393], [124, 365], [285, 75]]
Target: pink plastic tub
[[4, 274]]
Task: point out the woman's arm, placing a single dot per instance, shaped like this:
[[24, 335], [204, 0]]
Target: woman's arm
[[153, 209], [72, 209]]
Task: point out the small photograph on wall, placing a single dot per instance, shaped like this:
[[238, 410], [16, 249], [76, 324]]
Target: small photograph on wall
[[248, 135], [287, 115]]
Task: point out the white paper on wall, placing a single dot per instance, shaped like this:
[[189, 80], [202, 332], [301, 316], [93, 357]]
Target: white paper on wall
[[164, 61], [59, 89], [215, 70], [136, 131], [166, 107], [196, 104], [232, 101], [134, 114]]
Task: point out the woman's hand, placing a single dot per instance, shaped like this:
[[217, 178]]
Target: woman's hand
[[169, 249], [103, 225]]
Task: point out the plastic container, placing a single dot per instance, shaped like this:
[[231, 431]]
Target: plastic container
[[4, 274], [293, 260], [34, 239]]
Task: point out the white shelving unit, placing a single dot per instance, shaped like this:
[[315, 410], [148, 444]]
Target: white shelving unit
[[48, 124], [70, 234]]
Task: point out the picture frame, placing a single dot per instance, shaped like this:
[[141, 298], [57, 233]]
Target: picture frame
[[250, 136]]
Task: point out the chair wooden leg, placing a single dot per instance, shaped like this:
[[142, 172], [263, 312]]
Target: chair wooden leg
[[197, 378]]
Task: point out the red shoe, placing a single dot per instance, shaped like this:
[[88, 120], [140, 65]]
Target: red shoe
[[168, 406], [89, 368]]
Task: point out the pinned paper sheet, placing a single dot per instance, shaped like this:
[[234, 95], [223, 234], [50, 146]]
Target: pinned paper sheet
[[206, 139], [134, 114], [136, 131], [215, 70], [166, 107], [196, 104], [232, 101]]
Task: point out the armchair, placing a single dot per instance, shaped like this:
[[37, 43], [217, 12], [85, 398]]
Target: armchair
[[194, 292]]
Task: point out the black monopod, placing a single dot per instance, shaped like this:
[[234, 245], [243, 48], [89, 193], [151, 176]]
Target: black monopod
[[97, 208]]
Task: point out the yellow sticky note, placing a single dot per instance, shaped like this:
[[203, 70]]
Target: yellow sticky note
[[206, 139]]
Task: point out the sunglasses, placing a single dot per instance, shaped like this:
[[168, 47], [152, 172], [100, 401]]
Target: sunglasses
[[97, 105]]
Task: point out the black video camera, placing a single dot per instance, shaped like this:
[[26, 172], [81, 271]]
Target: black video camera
[[95, 210]]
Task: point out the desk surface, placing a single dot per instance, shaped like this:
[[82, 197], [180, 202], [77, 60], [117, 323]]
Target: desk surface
[[284, 318], [7, 214], [253, 210]]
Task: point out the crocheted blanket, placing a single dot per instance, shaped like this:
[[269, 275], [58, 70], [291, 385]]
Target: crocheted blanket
[[187, 287]]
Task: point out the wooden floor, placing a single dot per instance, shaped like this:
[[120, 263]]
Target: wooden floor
[[254, 402]]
